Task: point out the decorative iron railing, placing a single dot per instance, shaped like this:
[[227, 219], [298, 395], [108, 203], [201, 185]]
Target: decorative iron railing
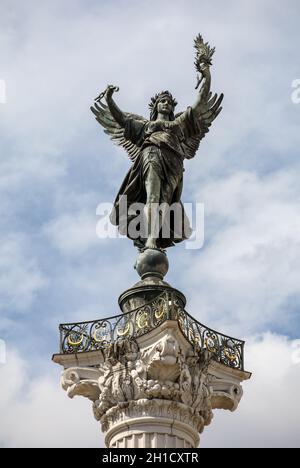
[[98, 334]]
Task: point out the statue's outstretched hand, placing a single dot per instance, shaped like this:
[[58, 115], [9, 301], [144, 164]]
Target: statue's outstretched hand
[[205, 70], [107, 94], [110, 90]]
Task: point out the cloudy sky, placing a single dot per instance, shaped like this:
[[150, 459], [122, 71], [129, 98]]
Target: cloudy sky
[[56, 166]]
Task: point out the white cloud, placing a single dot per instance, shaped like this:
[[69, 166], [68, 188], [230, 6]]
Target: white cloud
[[20, 276], [269, 413], [19, 172], [35, 412], [250, 265], [74, 233]]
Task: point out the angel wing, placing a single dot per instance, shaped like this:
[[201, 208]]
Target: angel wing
[[208, 112], [114, 130]]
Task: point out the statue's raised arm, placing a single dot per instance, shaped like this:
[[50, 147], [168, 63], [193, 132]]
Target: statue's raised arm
[[117, 114], [197, 120], [117, 122]]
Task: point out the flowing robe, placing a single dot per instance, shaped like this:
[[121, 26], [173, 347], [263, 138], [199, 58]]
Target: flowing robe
[[161, 148]]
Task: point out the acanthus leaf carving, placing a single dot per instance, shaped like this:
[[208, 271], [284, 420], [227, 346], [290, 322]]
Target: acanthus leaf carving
[[133, 381]]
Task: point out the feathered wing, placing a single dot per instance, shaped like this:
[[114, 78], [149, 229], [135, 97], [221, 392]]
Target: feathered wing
[[114, 130], [204, 117]]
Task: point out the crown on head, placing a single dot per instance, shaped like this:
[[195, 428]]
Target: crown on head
[[155, 99]]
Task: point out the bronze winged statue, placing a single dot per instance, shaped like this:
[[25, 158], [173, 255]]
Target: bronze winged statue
[[157, 148]]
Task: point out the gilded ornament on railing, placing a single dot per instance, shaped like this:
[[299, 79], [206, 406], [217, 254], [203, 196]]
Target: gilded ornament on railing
[[211, 342], [98, 335], [142, 321], [91, 336], [75, 343], [230, 354], [124, 331], [160, 311]]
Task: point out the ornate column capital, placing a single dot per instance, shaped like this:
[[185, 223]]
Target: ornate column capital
[[156, 390]]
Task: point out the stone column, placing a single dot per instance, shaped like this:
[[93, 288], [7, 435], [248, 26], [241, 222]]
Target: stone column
[[157, 390]]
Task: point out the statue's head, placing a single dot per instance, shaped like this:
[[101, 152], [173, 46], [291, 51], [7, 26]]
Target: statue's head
[[162, 103]]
